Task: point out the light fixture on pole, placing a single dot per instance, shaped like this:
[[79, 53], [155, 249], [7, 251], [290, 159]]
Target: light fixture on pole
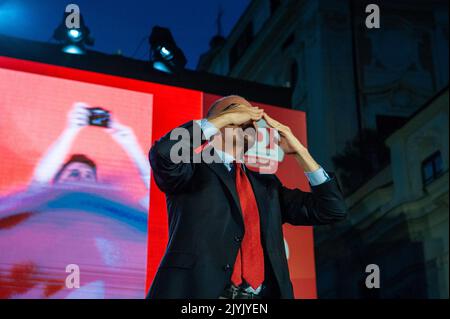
[[166, 56], [73, 40]]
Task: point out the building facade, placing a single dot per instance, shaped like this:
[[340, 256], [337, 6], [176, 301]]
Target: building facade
[[362, 89], [398, 220]]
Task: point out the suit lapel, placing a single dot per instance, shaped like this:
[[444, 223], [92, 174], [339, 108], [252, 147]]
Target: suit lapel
[[259, 190], [218, 167], [227, 178]]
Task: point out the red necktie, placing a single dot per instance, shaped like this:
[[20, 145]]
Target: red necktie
[[249, 263]]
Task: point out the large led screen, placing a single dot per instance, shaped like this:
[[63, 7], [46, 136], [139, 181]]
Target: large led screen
[[80, 215], [74, 187]]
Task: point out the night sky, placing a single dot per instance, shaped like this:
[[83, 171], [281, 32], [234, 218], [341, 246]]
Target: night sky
[[122, 25]]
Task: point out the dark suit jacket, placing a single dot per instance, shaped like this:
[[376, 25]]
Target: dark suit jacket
[[206, 225]]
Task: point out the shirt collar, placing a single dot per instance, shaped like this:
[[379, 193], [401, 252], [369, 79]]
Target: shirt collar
[[226, 158]]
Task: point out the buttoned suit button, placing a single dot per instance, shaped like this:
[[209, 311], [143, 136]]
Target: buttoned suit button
[[227, 267]]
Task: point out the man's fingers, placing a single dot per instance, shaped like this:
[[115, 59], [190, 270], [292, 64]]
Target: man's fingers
[[247, 108], [250, 110], [256, 117], [257, 112], [283, 129], [271, 121]]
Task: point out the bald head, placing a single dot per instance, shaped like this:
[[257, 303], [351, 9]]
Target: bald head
[[223, 103]]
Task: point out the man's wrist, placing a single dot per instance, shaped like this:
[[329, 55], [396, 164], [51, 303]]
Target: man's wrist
[[208, 128], [305, 160], [219, 121], [302, 151]]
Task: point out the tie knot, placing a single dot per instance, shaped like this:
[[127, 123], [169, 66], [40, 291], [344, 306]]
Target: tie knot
[[237, 165]]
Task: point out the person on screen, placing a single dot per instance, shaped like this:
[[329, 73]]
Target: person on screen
[[52, 169], [79, 168], [225, 220], [67, 215]]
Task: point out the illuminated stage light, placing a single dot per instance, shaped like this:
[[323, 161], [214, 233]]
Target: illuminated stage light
[[166, 56], [73, 49], [73, 40], [161, 67], [75, 34]]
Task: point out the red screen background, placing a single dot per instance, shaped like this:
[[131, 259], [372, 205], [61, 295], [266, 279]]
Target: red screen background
[[173, 106]]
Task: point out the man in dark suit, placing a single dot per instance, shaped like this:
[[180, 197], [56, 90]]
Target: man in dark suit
[[225, 220]]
